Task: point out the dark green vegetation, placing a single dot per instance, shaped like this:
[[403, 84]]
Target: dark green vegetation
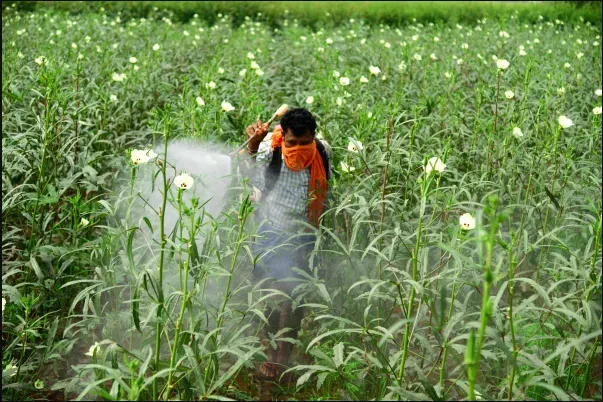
[[405, 305], [327, 13]]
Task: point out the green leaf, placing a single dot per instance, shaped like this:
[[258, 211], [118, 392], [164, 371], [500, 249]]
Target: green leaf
[[552, 197], [36, 268], [338, 354]]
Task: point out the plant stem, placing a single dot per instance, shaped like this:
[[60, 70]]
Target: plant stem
[[184, 296], [495, 120], [486, 305], [415, 259], [243, 213], [161, 253]]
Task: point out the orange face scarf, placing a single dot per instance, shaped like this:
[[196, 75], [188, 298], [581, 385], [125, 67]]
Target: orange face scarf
[[299, 158]]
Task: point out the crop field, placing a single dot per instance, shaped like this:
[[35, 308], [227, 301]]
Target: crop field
[[459, 256]]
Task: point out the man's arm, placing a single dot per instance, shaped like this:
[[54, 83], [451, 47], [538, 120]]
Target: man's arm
[[254, 165], [257, 155]]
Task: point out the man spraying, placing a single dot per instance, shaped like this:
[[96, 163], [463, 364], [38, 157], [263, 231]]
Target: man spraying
[[290, 169]]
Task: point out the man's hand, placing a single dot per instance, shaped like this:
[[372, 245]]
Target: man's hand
[[260, 131]]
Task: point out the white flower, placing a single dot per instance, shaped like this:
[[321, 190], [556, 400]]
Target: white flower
[[355, 145], [255, 65], [151, 154], [459, 61], [336, 74], [374, 70], [10, 370], [344, 81], [20, 55], [567, 65], [243, 72], [310, 100], [3, 305], [73, 45], [465, 46], [321, 49], [41, 60], [133, 60], [183, 181], [118, 77], [303, 38], [227, 107], [388, 45], [339, 101], [80, 56], [436, 39], [597, 110], [220, 70], [517, 132], [598, 92], [113, 98], [434, 164], [467, 221], [250, 55], [561, 91], [156, 47], [211, 85], [39, 384], [136, 68], [447, 74], [84, 222], [186, 33], [364, 79], [93, 348], [417, 57], [503, 34], [565, 122], [433, 56], [509, 94], [502, 64], [139, 157], [329, 41], [579, 55], [200, 101], [259, 72], [522, 52], [415, 37], [346, 168]]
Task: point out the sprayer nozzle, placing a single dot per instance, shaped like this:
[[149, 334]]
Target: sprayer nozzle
[[282, 110]]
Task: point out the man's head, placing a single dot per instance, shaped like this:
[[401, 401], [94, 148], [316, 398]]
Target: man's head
[[299, 127]]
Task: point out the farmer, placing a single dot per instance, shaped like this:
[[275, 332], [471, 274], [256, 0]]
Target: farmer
[[289, 169]]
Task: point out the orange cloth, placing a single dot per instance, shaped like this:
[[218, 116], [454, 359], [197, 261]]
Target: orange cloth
[[299, 158]]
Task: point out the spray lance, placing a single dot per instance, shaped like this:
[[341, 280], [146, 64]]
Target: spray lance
[[277, 115]]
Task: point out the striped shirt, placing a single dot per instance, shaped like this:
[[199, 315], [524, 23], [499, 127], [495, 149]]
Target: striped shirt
[[288, 200]]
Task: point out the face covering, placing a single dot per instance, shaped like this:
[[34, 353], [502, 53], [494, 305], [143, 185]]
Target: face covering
[[299, 158]]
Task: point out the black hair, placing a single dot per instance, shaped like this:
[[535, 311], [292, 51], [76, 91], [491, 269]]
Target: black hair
[[299, 121]]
